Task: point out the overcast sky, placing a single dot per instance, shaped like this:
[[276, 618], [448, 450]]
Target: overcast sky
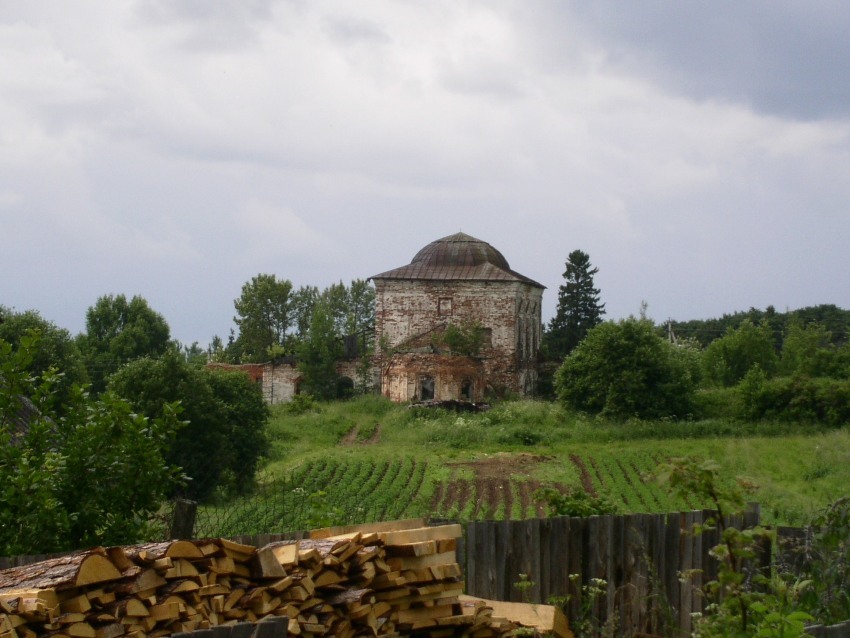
[[699, 152]]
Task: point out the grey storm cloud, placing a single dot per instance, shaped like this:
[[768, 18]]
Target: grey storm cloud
[[698, 152], [783, 58]]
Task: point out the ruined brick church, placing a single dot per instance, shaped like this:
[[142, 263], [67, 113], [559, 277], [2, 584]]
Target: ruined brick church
[[463, 281]]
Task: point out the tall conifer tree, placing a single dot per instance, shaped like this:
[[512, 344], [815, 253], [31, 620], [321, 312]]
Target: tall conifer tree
[[578, 307]]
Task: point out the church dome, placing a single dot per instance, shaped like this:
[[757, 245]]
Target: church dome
[[457, 257], [459, 250]]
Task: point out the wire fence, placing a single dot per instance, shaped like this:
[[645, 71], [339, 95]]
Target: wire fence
[[276, 507]]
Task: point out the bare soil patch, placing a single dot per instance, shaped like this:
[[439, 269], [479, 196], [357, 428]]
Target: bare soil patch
[[351, 437], [503, 464], [498, 480]]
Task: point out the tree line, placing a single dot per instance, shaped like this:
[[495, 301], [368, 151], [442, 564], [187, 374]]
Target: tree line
[[752, 365]]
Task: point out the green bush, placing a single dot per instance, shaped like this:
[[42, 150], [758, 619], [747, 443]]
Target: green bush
[[727, 360], [574, 502], [301, 404], [461, 433], [522, 435], [795, 399], [624, 369], [717, 403]]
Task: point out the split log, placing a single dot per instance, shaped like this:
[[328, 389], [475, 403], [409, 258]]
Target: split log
[[74, 570]]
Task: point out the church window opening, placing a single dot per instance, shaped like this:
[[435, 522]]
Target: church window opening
[[426, 388], [466, 390]]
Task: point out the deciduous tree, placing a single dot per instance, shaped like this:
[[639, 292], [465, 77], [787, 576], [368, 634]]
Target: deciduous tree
[[118, 331], [263, 316], [303, 301], [224, 433], [318, 352], [807, 350], [93, 474], [56, 349], [728, 359]]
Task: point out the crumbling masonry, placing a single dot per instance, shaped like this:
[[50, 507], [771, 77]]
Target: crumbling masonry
[[463, 281]]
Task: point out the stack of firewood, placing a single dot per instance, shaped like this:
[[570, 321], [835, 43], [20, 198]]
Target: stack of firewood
[[383, 580]]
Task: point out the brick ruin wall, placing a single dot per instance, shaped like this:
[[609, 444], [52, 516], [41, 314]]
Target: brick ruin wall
[[403, 373], [281, 380], [509, 310]]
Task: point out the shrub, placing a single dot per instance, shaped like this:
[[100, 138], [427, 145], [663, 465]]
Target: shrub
[[301, 404], [623, 370], [574, 502], [727, 360], [717, 403], [797, 399]]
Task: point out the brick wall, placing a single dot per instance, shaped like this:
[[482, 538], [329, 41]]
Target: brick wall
[[407, 311]]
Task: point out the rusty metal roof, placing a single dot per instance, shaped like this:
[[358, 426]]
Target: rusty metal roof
[[458, 257]]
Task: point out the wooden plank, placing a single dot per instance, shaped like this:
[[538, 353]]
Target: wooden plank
[[636, 552], [532, 546], [418, 562], [543, 618], [503, 581], [657, 531], [417, 614], [558, 581], [470, 567], [672, 535], [603, 567], [420, 534], [546, 564], [420, 548], [686, 554], [513, 563], [387, 526], [620, 566]]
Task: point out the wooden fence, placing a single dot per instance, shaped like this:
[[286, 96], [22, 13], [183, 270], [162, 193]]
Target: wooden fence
[[649, 567]]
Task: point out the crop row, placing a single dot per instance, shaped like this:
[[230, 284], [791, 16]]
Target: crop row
[[629, 479], [466, 499], [344, 491], [323, 492]]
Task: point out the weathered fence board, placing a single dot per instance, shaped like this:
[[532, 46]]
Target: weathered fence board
[[641, 558]]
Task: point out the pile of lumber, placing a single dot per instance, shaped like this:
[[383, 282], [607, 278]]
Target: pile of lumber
[[399, 579]]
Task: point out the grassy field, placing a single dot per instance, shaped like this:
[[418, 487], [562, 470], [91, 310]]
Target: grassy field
[[368, 459]]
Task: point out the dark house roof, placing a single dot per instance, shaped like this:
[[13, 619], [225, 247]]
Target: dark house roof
[[458, 257], [19, 419]]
